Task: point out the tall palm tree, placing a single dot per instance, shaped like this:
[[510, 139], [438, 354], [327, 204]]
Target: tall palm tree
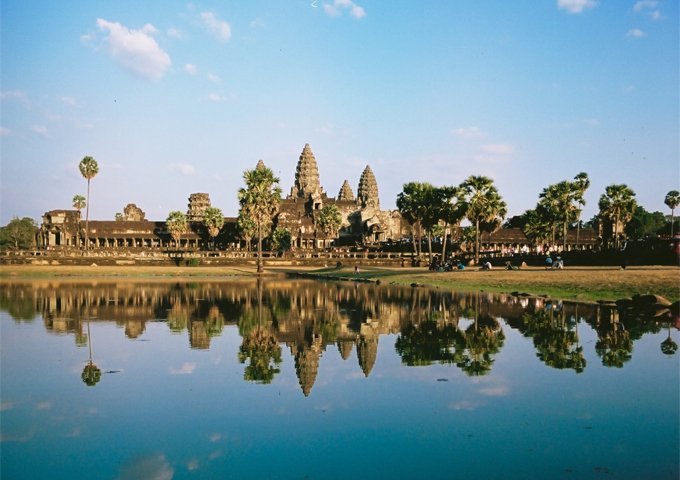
[[451, 210], [618, 204], [537, 225], [260, 200], [672, 200], [483, 204], [88, 169], [176, 224], [581, 184], [246, 227], [412, 204], [79, 202], [329, 220], [213, 220]]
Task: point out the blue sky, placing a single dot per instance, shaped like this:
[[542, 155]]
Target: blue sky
[[174, 98]]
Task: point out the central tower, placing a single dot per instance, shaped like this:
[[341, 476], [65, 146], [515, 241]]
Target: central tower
[[306, 175]]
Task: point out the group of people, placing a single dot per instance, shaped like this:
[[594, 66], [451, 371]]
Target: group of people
[[447, 266]]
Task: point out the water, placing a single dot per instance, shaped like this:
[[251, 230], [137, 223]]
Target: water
[[297, 379]]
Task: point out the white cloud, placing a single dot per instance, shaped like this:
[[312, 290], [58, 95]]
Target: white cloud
[[88, 125], [502, 148], [215, 437], [187, 368], [185, 170], [149, 467], [15, 95], [135, 50], [466, 132], [215, 98], [190, 68], [53, 116], [39, 129], [43, 406], [192, 465], [591, 121], [218, 27], [575, 6], [656, 15], [644, 4], [214, 78], [5, 131], [176, 33], [334, 10], [636, 33], [257, 23], [495, 391], [68, 100], [89, 38]]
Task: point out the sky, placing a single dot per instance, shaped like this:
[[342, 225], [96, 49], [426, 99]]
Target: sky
[[173, 98]]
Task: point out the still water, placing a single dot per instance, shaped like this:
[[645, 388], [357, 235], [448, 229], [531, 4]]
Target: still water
[[282, 379]]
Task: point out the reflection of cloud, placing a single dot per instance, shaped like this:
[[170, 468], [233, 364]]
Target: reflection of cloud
[[147, 467], [74, 433], [192, 465], [215, 455], [13, 437], [495, 391], [43, 406], [186, 369], [6, 405], [215, 437], [463, 405], [354, 376]]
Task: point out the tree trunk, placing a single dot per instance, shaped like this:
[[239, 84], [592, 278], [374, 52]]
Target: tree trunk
[[477, 241], [446, 226], [564, 236], [578, 225], [672, 212], [616, 233], [429, 247], [87, 216], [259, 247]]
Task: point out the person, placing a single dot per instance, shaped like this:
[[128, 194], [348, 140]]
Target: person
[[559, 264], [356, 269], [486, 266], [510, 266], [461, 266], [548, 263]]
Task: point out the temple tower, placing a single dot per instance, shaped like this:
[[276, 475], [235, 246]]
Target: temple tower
[[198, 202], [346, 193], [306, 175], [367, 195], [367, 352]]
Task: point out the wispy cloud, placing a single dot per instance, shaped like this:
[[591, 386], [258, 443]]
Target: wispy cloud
[[643, 4], [335, 10], [215, 437], [16, 95], [39, 129], [635, 33], [152, 466], [575, 6], [257, 23], [502, 148], [467, 132], [591, 121], [220, 28], [190, 68], [192, 465], [68, 100], [185, 170], [215, 98], [136, 50], [176, 33], [463, 405], [213, 78], [5, 131], [43, 406]]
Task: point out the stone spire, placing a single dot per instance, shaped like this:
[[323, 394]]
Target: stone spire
[[367, 195], [260, 165], [367, 352], [345, 348], [307, 364], [346, 193], [198, 202], [306, 175]]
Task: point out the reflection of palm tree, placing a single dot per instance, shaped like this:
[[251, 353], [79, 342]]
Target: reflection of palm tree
[[614, 347], [482, 339], [91, 373], [668, 346], [259, 346], [427, 343]]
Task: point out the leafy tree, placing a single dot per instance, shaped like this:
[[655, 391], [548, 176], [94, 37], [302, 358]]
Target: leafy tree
[[642, 223], [119, 217], [451, 210], [18, 233], [281, 239], [213, 220], [668, 346], [246, 227], [618, 204], [672, 200], [260, 200], [88, 169], [558, 204], [79, 202], [537, 225], [427, 342], [581, 184], [482, 204], [412, 202], [329, 220], [176, 224]]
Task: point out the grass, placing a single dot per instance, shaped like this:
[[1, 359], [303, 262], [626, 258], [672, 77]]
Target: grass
[[582, 283]]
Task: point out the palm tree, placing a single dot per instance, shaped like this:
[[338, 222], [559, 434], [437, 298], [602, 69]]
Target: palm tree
[[213, 220], [260, 200], [618, 204], [79, 202], [88, 169], [581, 184], [412, 204], [450, 211], [672, 200], [176, 224], [537, 225], [482, 204], [329, 220], [246, 227]]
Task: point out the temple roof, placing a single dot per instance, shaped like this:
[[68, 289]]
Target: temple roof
[[346, 192], [367, 195], [306, 174]]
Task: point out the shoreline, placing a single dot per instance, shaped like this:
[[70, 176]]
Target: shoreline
[[574, 283]]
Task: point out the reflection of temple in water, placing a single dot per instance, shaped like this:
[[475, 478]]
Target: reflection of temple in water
[[308, 317]]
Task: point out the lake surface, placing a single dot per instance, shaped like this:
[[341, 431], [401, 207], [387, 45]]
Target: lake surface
[[282, 379]]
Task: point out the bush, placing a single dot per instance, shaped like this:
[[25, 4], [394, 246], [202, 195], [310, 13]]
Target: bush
[[193, 262]]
